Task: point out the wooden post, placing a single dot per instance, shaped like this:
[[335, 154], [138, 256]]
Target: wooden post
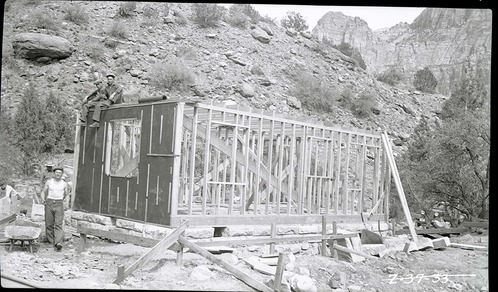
[[207, 162], [120, 277], [273, 235], [82, 242], [334, 230], [192, 161], [279, 273], [179, 253], [324, 234]]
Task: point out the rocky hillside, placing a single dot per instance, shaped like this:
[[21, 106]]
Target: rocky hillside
[[451, 42], [253, 66]]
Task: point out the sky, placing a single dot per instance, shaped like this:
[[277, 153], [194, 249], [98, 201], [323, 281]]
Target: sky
[[376, 17]]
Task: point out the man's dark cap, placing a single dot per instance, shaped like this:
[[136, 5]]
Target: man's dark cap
[[58, 168]]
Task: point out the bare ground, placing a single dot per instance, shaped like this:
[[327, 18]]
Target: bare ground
[[96, 268]]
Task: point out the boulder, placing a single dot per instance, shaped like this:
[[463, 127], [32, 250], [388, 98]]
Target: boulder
[[291, 32], [294, 102], [301, 283], [246, 90], [266, 27], [39, 45], [260, 35], [338, 280], [306, 34], [201, 273]]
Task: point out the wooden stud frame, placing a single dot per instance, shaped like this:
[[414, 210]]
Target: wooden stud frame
[[258, 166]]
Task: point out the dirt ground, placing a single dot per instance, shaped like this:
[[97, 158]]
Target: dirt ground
[[96, 268]]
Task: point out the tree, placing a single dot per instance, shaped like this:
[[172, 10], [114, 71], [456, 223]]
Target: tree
[[57, 125], [28, 132], [295, 21], [10, 157], [470, 95], [449, 165], [425, 81], [352, 52], [40, 127]]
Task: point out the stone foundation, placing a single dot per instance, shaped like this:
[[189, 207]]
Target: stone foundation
[[100, 222]]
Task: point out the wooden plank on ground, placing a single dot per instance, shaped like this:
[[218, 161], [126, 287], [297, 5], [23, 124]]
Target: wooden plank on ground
[[468, 246], [236, 272], [352, 251], [8, 219], [138, 240], [263, 268], [433, 231], [475, 224], [158, 249]]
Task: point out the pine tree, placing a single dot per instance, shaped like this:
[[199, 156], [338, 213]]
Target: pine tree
[[28, 132]]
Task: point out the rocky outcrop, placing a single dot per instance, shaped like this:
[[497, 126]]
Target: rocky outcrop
[[451, 42], [39, 45]]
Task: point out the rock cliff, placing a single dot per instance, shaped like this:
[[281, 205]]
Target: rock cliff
[[451, 42]]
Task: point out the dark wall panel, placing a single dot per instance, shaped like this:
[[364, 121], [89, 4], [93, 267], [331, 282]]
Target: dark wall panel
[[144, 197]]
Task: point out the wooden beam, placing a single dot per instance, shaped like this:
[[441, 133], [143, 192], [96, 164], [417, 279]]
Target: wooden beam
[[475, 224], [269, 240], [138, 240], [399, 187], [153, 253], [8, 219], [224, 220], [235, 271], [468, 246], [434, 231]]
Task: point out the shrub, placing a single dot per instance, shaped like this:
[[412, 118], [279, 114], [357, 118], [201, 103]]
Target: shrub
[[127, 9], [76, 14], [351, 52], [425, 80], [295, 21], [362, 107], [268, 19], [314, 93], [165, 8], [45, 19], [247, 10], [151, 16], [118, 30], [238, 19], [172, 76], [181, 19], [390, 76], [346, 98], [94, 49], [207, 14], [32, 2], [185, 52]]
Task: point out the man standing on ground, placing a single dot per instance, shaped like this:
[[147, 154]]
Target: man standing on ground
[[112, 93], [54, 193]]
